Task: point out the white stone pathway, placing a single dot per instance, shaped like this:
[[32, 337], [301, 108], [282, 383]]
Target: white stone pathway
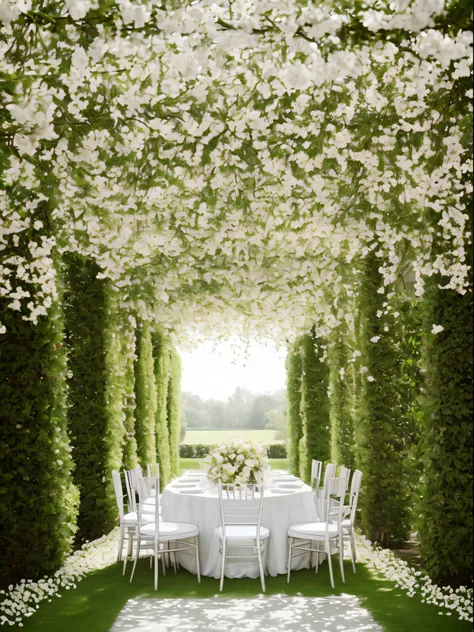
[[277, 613]]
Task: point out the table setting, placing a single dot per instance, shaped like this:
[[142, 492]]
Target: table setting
[[193, 498]]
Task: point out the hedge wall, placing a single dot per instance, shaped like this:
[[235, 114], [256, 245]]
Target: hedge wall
[[380, 423], [173, 407], [38, 501], [293, 389], [314, 404], [341, 402], [145, 394], [446, 528], [85, 308], [200, 450]]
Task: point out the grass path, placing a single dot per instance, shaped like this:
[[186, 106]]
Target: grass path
[[98, 600]]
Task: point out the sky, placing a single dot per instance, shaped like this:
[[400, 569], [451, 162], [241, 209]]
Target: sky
[[214, 370]]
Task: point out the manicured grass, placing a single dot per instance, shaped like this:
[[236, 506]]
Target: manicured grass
[[211, 437], [96, 603], [193, 464]]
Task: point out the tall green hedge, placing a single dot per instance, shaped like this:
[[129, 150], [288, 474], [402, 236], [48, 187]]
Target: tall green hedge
[[341, 401], [145, 395], [128, 347], [446, 528], [114, 401], [380, 424], [173, 406], [38, 501], [293, 390], [85, 308], [314, 404], [161, 351]]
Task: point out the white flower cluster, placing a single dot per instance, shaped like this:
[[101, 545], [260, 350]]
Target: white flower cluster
[[416, 583], [225, 161], [23, 599], [237, 461]]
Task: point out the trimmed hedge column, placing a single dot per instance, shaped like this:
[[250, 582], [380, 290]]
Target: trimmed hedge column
[[315, 443], [173, 405], [38, 501], [162, 369], [380, 424], [295, 423], [90, 422], [129, 455], [145, 393], [341, 402], [446, 530]]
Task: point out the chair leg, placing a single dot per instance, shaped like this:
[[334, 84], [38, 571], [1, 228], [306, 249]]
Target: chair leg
[[129, 550], [341, 557], [198, 563], [120, 546], [353, 549], [137, 554], [222, 566], [260, 566], [163, 563], [331, 575], [317, 556], [155, 559], [173, 556], [290, 544]]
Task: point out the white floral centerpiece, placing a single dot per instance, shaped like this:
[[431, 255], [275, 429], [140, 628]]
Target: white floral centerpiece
[[237, 461]]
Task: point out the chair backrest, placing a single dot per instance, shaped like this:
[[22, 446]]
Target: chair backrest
[[316, 471], [153, 470], [240, 504], [119, 495], [131, 480], [354, 493], [345, 474], [335, 490], [145, 487], [329, 472]]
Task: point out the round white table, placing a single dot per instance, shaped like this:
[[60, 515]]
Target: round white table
[[280, 510]]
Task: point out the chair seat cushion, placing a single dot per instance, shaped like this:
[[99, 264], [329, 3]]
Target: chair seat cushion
[[243, 532], [347, 523], [131, 518], [170, 530], [312, 529]]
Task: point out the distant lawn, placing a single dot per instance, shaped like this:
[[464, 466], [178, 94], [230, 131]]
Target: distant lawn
[[193, 464], [212, 437]]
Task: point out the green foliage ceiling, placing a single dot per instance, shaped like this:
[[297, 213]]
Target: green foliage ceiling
[[224, 162]]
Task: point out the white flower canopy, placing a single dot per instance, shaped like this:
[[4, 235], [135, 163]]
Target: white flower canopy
[[228, 164]]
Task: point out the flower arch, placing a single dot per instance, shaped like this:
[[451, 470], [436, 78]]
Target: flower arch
[[228, 162]]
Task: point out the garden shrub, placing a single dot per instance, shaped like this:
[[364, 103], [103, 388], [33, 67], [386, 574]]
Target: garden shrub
[[161, 355], [293, 389], [341, 402], [314, 403], [446, 513], [173, 406], [380, 424], [85, 308], [129, 456], [38, 501], [145, 396]]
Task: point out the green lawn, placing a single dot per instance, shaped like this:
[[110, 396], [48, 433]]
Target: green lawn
[[193, 464], [99, 598], [211, 437]]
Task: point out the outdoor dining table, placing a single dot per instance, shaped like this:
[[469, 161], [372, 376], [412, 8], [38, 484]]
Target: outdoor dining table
[[194, 500]]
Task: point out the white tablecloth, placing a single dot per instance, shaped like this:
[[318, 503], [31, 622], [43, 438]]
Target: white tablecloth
[[279, 512]]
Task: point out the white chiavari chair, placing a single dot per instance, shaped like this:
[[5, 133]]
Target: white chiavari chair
[[159, 536], [241, 509], [350, 513], [302, 538]]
